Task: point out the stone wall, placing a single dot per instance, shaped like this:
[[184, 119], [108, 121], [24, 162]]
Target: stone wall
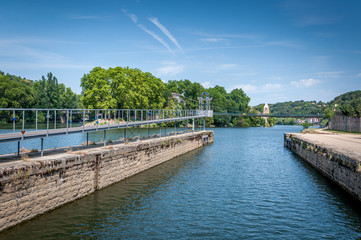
[[342, 123], [345, 170], [28, 189]]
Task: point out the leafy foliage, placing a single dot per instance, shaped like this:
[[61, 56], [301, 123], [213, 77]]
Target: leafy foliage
[[15, 92], [122, 88]]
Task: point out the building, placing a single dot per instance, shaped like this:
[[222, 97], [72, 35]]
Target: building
[[178, 98]]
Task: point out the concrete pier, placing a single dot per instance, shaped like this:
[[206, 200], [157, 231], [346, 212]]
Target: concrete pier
[[335, 155], [37, 185]]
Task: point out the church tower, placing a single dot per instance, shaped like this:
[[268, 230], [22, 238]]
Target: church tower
[[266, 109]]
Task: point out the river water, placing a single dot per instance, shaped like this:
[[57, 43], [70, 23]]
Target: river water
[[245, 185]]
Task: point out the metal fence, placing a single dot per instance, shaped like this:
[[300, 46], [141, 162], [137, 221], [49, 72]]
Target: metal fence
[[21, 124]]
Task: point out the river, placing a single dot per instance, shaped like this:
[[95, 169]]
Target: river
[[245, 185]]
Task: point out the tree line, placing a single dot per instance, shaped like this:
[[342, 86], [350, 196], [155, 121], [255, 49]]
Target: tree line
[[131, 88]]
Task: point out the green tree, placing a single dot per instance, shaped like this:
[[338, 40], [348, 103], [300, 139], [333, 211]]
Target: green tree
[[329, 113], [122, 88], [306, 125], [97, 92], [15, 94]]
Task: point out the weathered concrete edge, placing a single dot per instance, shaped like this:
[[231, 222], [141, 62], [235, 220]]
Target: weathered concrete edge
[[341, 168], [19, 174]]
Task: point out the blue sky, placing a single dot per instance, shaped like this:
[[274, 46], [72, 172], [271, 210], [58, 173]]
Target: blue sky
[[274, 50]]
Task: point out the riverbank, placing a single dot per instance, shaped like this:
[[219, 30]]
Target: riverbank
[[37, 185], [335, 155]]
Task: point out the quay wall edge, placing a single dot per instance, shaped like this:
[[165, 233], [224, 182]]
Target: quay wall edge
[[343, 169], [28, 189]]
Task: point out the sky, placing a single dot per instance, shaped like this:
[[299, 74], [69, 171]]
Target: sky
[[275, 50]]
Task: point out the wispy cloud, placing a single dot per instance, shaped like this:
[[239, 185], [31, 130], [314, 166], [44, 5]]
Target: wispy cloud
[[306, 21], [165, 31], [269, 87], [133, 17], [281, 43], [227, 66], [359, 75], [169, 69], [156, 37], [305, 82], [213, 40], [334, 74], [44, 65]]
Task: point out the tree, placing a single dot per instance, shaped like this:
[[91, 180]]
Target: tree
[[97, 92], [15, 94], [306, 125], [122, 88], [240, 98], [329, 113], [347, 110]]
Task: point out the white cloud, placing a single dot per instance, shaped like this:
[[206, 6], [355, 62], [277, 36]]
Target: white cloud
[[305, 82], [206, 84], [269, 87], [246, 87], [359, 75], [165, 31], [170, 69], [227, 66]]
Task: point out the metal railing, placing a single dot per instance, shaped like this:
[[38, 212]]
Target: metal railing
[[36, 119], [268, 115], [22, 124]]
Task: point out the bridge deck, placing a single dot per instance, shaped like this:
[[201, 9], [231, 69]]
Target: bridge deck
[[270, 115], [18, 136]]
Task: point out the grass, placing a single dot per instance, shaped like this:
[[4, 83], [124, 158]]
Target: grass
[[34, 150]]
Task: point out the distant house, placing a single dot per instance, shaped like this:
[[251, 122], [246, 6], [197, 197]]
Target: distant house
[[313, 120], [299, 121], [178, 97]]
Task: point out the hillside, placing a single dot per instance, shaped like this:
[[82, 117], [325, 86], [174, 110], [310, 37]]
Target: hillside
[[346, 98], [296, 107], [352, 99]]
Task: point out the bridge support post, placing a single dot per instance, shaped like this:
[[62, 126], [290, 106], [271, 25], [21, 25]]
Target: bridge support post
[[204, 124], [160, 130], [175, 127], [148, 130], [125, 134], [42, 147], [18, 148], [87, 139], [105, 137], [138, 133], [193, 124]]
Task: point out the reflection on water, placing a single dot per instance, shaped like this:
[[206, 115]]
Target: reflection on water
[[245, 185]]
